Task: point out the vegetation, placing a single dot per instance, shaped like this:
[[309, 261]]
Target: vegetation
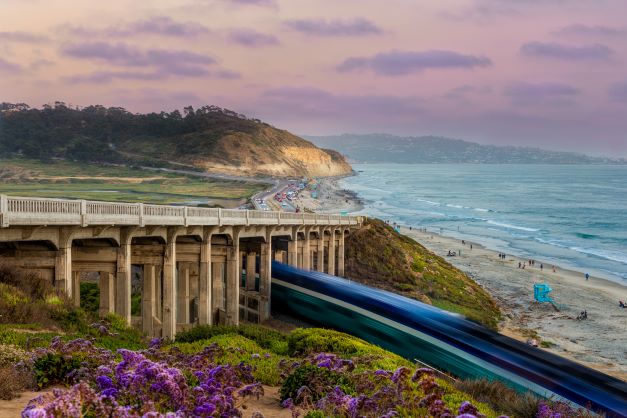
[[77, 180], [109, 369], [382, 148], [208, 138], [379, 256]]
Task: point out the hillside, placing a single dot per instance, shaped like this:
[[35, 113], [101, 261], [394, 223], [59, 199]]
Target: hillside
[[379, 256], [208, 138], [382, 148]]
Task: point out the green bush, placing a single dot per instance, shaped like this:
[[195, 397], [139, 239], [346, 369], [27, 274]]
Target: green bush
[[267, 338], [500, 397], [315, 414], [304, 341], [90, 297], [237, 349], [53, 368], [319, 380]]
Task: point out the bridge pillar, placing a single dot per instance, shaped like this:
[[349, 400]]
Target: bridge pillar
[[251, 267], [233, 278], [320, 251], [123, 279], [168, 329], [341, 255], [292, 250], [265, 280], [76, 288], [106, 283], [204, 280], [182, 295], [63, 263], [306, 252], [331, 264], [148, 299]]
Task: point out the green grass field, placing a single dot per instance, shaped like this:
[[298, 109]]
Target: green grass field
[[63, 179]]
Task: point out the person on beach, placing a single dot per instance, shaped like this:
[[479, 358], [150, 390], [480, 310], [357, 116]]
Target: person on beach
[[471, 246], [541, 266], [519, 264], [553, 269], [622, 304], [587, 276]]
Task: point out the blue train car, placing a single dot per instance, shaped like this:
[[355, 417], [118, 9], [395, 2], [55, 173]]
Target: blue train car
[[416, 330]]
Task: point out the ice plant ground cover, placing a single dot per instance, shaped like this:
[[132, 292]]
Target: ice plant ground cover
[[213, 371]]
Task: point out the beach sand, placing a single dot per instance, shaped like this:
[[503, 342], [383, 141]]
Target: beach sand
[[599, 342]]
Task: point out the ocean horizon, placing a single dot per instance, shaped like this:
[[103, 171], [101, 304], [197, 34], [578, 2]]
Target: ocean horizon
[[574, 216]]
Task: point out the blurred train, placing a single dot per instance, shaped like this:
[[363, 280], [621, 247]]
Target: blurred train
[[460, 347]]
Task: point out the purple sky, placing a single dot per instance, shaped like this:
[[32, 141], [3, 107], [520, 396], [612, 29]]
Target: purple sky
[[548, 73]]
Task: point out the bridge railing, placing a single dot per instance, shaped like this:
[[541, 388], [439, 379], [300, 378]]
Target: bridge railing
[[43, 211]]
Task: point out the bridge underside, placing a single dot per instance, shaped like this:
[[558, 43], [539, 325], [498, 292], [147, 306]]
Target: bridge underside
[[165, 279]]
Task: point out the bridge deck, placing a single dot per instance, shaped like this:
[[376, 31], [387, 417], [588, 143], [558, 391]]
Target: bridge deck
[[29, 211]]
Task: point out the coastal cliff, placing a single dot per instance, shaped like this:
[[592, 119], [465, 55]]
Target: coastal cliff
[[378, 256], [209, 138]]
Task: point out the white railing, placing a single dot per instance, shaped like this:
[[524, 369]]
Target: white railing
[[42, 212]]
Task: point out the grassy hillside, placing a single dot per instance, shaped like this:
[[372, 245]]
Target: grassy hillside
[[379, 256], [209, 138], [76, 180]]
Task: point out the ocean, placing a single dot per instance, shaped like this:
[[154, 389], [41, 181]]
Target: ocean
[[573, 216]]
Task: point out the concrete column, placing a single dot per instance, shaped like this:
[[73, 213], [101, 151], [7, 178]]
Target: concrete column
[[148, 299], [233, 277], [76, 288], [204, 282], [217, 291], [332, 253], [251, 264], [341, 255], [169, 288], [63, 270], [320, 266], [265, 280], [292, 250], [182, 295], [106, 284], [158, 293], [306, 252], [123, 282]]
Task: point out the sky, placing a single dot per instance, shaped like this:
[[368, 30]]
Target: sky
[[541, 73]]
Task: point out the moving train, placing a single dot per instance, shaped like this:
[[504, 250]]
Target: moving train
[[418, 331]]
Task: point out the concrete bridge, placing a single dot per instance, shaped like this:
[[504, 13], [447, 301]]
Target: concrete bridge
[[190, 265]]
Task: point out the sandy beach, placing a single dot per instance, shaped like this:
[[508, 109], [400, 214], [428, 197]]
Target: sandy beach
[[599, 342]]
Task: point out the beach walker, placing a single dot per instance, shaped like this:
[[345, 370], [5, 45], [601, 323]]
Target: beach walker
[[541, 294]]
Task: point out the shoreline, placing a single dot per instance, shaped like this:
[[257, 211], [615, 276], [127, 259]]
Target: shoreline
[[597, 342]]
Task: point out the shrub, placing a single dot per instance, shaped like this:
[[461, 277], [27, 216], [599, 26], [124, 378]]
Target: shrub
[[12, 382], [501, 397], [11, 354], [27, 298], [90, 297], [267, 338], [54, 368], [305, 341], [318, 381]]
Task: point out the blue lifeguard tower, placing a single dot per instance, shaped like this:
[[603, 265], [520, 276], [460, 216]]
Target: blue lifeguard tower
[[541, 294]]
